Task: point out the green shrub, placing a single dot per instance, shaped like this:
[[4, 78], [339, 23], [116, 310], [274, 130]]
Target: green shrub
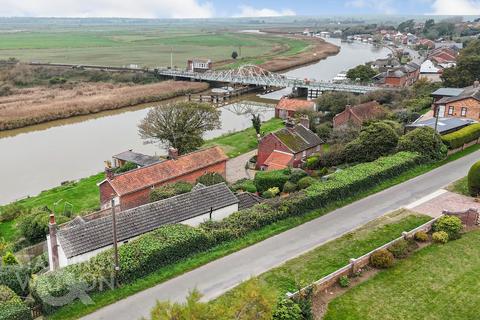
[[34, 226], [450, 224], [9, 259], [11, 211], [306, 182], [474, 180], [16, 278], [322, 172], [382, 259], [421, 236], [344, 281], [289, 187], [440, 237], [126, 167], [399, 249], [287, 309], [268, 179], [271, 193], [170, 190], [244, 185], [465, 135], [333, 157], [12, 307], [297, 174], [211, 178], [312, 162], [57, 80], [426, 141]]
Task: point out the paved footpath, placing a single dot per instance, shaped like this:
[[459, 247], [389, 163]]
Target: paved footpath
[[217, 277]]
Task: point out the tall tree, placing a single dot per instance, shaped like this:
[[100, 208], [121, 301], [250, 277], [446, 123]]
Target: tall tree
[[234, 55], [256, 122], [180, 125]]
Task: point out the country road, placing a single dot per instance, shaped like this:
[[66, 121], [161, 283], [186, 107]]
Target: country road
[[217, 277]]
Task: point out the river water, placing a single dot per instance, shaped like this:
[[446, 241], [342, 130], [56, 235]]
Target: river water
[[40, 157]]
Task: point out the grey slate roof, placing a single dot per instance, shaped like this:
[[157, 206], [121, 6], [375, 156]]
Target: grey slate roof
[[248, 200], [95, 234], [298, 138], [447, 92], [469, 92], [445, 125], [137, 158]]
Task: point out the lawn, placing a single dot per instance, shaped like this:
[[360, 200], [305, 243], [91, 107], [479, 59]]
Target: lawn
[[7, 231], [460, 186], [437, 282], [237, 143], [333, 255]]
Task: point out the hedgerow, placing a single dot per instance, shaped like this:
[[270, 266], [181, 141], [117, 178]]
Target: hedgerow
[[169, 244], [265, 180], [11, 306], [458, 138]]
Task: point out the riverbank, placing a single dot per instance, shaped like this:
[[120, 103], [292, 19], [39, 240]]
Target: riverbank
[[285, 58], [29, 106]]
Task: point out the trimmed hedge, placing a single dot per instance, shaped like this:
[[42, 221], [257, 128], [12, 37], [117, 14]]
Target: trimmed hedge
[[265, 180], [137, 258], [473, 179], [465, 135], [169, 244], [11, 306]]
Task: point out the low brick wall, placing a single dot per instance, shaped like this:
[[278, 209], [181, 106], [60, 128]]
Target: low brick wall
[[358, 263], [466, 145]]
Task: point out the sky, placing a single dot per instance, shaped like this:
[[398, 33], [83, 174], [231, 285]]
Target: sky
[[239, 8]]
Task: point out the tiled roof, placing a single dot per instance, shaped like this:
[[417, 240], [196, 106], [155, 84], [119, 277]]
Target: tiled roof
[[294, 104], [298, 138], [137, 158], [367, 110], [84, 237], [151, 175], [278, 160], [248, 200], [450, 92], [469, 92]]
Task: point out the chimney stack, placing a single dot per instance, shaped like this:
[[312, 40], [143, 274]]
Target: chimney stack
[[172, 153], [52, 229], [305, 121], [476, 84]]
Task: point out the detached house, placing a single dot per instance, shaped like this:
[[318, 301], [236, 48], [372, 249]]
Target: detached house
[[83, 238], [287, 147], [458, 102], [132, 188], [358, 114], [400, 76], [287, 108]]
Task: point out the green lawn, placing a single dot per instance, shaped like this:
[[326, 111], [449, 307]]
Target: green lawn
[[460, 186], [7, 231], [438, 282], [333, 255], [237, 143]]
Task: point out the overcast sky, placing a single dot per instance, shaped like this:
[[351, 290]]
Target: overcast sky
[[222, 8]]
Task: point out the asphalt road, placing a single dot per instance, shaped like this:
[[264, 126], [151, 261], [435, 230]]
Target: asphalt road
[[217, 277]]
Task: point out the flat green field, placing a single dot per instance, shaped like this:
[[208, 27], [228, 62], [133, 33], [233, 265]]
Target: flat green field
[[142, 45], [438, 282]]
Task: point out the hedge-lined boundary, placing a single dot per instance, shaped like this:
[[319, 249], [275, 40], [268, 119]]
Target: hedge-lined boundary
[[11, 306], [463, 136], [152, 251]]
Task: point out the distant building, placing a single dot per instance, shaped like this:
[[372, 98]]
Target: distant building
[[358, 114], [287, 108], [427, 43], [429, 71], [81, 239], [458, 102], [401, 76], [132, 188], [287, 147], [139, 159], [199, 65]]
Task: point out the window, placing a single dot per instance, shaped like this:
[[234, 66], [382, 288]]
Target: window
[[450, 111], [464, 112]]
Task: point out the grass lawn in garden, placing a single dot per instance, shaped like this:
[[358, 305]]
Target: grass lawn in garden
[[7, 231], [460, 186], [333, 255], [237, 143], [438, 282]]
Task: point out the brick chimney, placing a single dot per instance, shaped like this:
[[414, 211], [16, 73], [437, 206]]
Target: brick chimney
[[172, 153], [52, 229], [305, 121], [109, 172], [476, 84]]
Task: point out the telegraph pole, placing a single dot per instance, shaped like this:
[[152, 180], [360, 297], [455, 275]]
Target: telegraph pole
[[115, 246]]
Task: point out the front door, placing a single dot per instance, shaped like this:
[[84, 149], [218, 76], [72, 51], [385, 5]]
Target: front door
[[441, 110]]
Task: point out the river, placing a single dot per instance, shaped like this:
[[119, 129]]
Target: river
[[40, 157]]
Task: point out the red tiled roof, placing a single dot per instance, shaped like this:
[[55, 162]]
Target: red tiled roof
[[157, 173], [294, 104], [367, 110], [278, 160]]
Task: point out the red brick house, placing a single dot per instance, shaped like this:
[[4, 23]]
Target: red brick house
[[458, 102], [401, 76], [286, 107], [287, 147], [132, 188], [358, 114]]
